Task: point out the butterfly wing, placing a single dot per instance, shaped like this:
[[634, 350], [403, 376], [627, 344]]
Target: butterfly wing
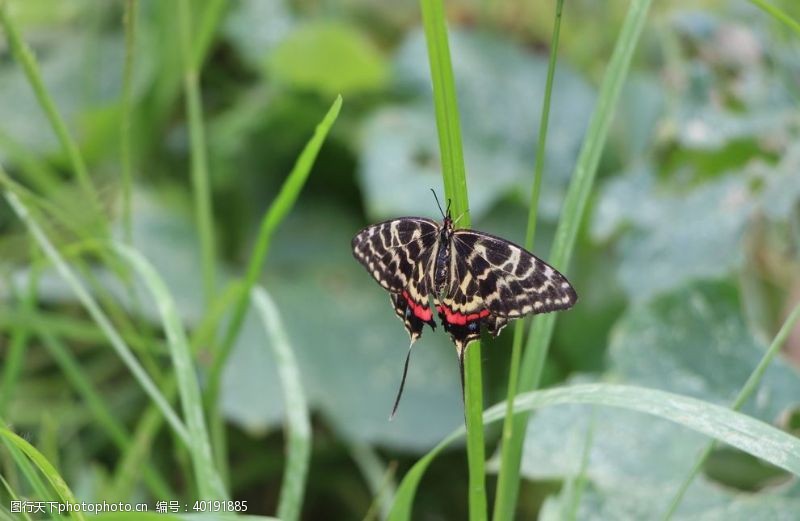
[[398, 254], [494, 281]]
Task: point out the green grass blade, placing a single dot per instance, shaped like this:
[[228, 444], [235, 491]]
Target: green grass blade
[[129, 22], [212, 15], [13, 496], [24, 55], [508, 483], [577, 484], [52, 475], [31, 169], [277, 211], [455, 187], [780, 15], [567, 231], [106, 420], [208, 480], [15, 357], [298, 422], [750, 387], [42, 492], [204, 216], [738, 430], [97, 315], [379, 478]]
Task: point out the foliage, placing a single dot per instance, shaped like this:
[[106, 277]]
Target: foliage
[[188, 133]]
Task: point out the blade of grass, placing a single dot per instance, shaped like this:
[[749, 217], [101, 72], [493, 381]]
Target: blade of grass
[[106, 420], [749, 387], [25, 57], [379, 478], [572, 215], [143, 343], [455, 187], [42, 491], [70, 328], [505, 491], [576, 485], [738, 430], [213, 13], [36, 172], [780, 15], [129, 23], [18, 345], [14, 497], [298, 423], [208, 480], [52, 475], [97, 315], [277, 211], [204, 215], [151, 420]]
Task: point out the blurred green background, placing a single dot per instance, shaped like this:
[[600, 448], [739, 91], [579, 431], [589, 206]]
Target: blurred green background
[[686, 265]]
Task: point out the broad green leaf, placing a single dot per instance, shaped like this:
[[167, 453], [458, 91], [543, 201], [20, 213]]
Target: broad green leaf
[[695, 341], [329, 58], [692, 341], [673, 235]]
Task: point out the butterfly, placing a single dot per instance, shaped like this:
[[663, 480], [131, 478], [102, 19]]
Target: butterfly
[[475, 279]]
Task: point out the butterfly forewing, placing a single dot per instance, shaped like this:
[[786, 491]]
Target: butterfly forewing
[[510, 281], [494, 281], [398, 254]]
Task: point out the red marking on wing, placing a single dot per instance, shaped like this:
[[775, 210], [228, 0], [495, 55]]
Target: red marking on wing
[[460, 319], [422, 312]]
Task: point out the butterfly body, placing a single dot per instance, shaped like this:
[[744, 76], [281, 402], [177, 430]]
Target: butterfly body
[[474, 279]]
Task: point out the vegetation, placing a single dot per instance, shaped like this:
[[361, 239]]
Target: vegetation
[[182, 323]]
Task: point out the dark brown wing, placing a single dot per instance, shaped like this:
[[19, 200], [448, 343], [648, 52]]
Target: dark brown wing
[[398, 253], [494, 281]]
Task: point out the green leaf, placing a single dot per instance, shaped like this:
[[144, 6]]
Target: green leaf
[[329, 58], [736, 429], [692, 341], [695, 341], [676, 237], [671, 235]]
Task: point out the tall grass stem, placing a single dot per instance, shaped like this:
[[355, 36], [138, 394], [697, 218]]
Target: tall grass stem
[[508, 483], [455, 187], [572, 215]]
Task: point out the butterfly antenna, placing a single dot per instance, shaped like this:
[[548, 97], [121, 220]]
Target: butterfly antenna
[[439, 205], [402, 383]]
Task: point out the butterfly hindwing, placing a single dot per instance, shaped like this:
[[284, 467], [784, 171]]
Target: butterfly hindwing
[[398, 254]]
